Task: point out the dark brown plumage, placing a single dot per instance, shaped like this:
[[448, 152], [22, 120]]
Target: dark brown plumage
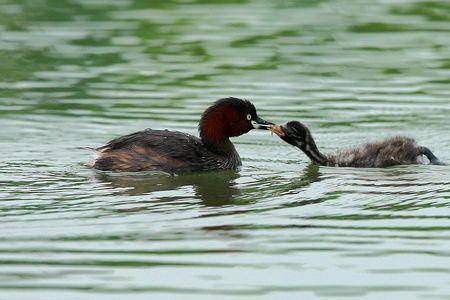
[[177, 152], [393, 151]]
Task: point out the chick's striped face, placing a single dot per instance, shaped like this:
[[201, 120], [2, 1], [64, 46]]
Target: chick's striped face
[[295, 133]]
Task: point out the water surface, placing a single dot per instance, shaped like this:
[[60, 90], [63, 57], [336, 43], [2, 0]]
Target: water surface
[[78, 73]]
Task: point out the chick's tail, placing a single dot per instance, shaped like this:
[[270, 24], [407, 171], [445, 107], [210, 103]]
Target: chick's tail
[[433, 159]]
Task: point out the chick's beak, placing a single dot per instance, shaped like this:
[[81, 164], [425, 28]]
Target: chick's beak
[[261, 124]]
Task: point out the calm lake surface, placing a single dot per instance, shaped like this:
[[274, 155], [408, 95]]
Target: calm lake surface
[[78, 73]]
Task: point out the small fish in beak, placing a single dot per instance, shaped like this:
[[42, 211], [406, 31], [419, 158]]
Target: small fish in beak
[[277, 129]]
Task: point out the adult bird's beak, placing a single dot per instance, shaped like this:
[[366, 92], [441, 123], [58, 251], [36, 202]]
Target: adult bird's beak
[[261, 124]]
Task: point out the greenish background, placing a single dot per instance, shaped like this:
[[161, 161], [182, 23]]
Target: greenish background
[[78, 73]]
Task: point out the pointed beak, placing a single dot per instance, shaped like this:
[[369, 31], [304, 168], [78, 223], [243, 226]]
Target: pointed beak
[[261, 124]]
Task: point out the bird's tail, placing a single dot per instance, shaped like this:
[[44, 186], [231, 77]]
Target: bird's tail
[[433, 159], [87, 149]]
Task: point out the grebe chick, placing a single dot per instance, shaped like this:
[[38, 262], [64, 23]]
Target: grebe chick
[[177, 152], [393, 151]]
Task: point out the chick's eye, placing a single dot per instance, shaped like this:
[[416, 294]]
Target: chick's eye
[[249, 117]]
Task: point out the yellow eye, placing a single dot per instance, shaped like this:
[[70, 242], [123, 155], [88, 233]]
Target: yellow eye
[[249, 117]]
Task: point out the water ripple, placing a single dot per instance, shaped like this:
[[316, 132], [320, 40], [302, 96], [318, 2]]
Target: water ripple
[[82, 72]]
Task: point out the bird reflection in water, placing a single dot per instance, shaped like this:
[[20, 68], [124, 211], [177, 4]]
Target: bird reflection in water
[[213, 188], [278, 187]]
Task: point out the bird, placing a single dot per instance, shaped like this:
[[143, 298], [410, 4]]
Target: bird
[[177, 152], [397, 150]]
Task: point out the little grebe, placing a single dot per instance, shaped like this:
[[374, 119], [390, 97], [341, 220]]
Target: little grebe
[[385, 153], [177, 152]]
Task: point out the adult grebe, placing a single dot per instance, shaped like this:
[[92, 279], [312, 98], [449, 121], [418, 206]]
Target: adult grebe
[[177, 152]]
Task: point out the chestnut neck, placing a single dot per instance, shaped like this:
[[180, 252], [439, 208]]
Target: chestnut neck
[[215, 130], [216, 142]]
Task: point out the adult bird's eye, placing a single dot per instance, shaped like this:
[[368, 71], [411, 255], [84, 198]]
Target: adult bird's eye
[[249, 117]]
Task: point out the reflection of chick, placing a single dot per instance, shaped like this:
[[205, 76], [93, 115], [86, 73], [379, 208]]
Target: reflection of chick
[[390, 152]]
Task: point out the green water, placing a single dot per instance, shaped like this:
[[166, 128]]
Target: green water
[[78, 73]]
